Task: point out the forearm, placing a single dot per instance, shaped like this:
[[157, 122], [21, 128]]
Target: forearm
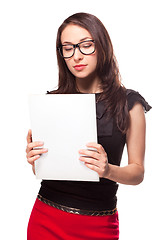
[[131, 174]]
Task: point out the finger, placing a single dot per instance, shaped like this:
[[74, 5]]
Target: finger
[[98, 146], [90, 161], [91, 153], [29, 136], [33, 169], [32, 145], [93, 167], [36, 152], [32, 159]]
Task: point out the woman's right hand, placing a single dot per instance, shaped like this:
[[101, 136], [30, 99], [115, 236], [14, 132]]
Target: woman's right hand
[[33, 154]]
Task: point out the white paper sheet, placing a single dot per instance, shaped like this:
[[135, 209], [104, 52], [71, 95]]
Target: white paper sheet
[[65, 123]]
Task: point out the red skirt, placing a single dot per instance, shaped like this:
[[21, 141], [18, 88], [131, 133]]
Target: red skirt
[[49, 223]]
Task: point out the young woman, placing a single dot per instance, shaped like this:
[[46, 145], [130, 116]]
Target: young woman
[[77, 210]]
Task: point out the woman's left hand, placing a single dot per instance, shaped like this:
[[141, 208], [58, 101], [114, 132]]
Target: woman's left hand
[[95, 160]]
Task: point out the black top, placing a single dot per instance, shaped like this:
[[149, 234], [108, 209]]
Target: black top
[[95, 195]]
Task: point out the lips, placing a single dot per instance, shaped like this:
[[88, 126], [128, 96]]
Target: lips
[[80, 67]]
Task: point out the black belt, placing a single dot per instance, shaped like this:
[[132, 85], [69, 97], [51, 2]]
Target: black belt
[[76, 210]]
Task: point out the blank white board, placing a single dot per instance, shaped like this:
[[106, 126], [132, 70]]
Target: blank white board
[[65, 123]]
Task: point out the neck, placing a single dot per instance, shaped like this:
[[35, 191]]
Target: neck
[[90, 84]]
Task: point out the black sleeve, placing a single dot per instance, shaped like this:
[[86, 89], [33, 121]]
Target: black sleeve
[[133, 97]]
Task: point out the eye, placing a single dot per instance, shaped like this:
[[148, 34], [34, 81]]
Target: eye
[[87, 45], [67, 48]]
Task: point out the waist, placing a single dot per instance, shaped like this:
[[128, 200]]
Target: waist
[[80, 195], [77, 210]]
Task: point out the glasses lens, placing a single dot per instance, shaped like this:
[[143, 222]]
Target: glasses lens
[[87, 47], [67, 51]]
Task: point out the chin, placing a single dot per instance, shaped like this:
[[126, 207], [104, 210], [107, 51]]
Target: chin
[[81, 75]]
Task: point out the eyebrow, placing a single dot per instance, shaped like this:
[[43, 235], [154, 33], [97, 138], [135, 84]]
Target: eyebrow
[[79, 40]]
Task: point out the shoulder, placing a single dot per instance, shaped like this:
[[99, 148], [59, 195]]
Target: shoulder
[[134, 97]]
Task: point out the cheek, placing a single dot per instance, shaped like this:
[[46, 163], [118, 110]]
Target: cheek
[[92, 62], [70, 64]]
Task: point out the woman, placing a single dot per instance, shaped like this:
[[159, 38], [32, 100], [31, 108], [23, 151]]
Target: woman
[[87, 210]]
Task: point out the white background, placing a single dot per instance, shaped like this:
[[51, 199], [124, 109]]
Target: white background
[[28, 65]]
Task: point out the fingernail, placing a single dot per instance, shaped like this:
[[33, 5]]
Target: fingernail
[[45, 149]]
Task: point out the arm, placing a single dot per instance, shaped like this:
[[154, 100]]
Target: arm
[[133, 173]]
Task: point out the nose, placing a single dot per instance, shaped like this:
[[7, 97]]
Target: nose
[[77, 54]]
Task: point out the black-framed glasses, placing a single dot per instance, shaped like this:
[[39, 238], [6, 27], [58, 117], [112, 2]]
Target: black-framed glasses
[[86, 47]]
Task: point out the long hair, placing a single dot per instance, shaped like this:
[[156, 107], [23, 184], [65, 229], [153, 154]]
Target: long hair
[[114, 92]]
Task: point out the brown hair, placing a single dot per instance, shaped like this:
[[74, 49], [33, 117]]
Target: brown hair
[[114, 93]]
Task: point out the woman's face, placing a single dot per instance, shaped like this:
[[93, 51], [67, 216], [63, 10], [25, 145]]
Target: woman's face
[[73, 34]]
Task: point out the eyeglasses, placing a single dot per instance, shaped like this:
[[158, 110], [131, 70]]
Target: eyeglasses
[[86, 47]]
